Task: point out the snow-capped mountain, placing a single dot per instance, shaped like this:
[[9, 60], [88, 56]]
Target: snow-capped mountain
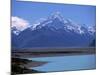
[[18, 25], [66, 24], [54, 31], [92, 29]]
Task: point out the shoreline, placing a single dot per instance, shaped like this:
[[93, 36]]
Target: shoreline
[[52, 52], [34, 55]]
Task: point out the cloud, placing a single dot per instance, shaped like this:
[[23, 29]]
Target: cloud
[[19, 23]]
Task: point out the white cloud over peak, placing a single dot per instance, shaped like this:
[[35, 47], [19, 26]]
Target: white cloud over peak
[[19, 23]]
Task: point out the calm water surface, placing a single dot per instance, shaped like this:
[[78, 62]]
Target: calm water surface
[[61, 63]]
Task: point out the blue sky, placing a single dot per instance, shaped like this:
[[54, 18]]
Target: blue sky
[[32, 11]]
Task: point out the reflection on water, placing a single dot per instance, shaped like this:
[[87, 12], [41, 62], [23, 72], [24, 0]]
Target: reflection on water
[[61, 63]]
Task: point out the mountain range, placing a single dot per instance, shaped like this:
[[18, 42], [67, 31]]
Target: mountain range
[[54, 31]]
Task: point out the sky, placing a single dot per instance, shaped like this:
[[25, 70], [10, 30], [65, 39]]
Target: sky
[[32, 11]]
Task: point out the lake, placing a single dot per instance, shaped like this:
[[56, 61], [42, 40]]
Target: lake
[[66, 63]]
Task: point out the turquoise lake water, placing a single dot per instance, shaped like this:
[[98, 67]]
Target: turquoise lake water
[[66, 63]]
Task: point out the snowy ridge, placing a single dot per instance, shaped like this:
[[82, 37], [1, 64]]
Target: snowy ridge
[[55, 22]]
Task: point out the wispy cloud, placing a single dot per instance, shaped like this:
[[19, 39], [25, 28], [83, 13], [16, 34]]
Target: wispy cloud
[[19, 23]]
